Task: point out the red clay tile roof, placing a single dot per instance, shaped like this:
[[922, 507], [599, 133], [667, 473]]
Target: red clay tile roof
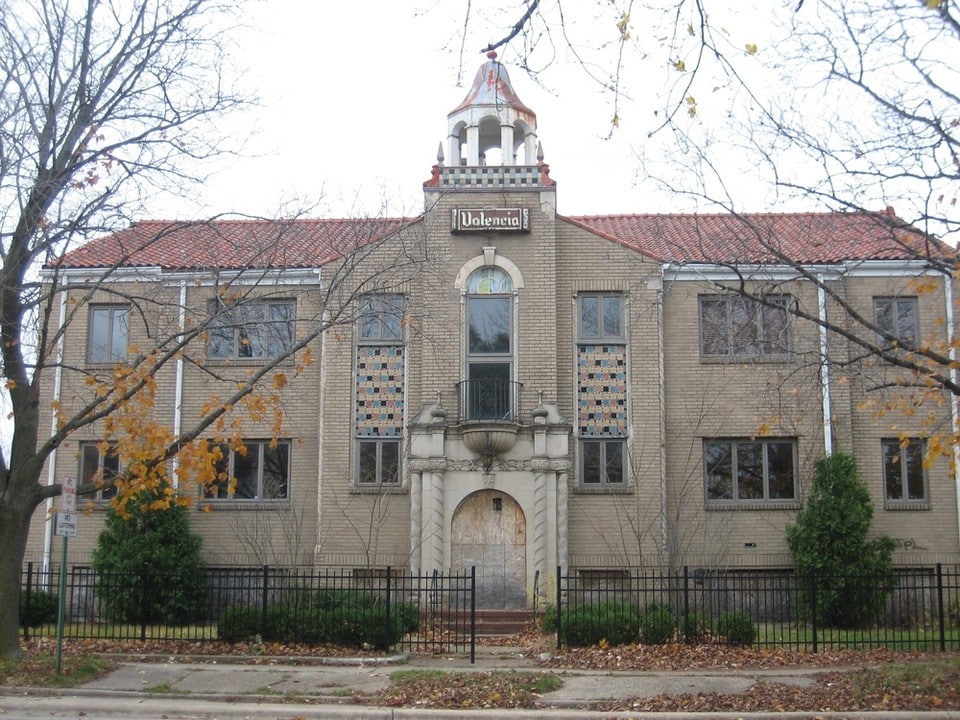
[[761, 238], [767, 238], [232, 244]]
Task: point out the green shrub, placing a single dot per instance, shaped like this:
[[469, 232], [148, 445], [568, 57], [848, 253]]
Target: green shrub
[[39, 607], [657, 625], [696, 627], [611, 621], [409, 616], [737, 628], [238, 624], [358, 621], [548, 621], [853, 575], [148, 566]]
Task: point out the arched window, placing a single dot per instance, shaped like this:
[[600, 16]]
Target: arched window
[[489, 393]]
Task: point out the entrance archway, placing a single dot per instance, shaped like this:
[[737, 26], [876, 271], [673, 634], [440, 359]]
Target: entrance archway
[[490, 532]]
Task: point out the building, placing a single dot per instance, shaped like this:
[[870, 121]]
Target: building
[[502, 386]]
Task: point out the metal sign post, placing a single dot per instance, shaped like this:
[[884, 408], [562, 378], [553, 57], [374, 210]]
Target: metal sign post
[[64, 525]]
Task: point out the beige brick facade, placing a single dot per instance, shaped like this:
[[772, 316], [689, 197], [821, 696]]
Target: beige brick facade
[[513, 493]]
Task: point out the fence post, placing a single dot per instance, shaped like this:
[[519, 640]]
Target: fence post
[[940, 613], [473, 614], [388, 628], [813, 607], [686, 607], [559, 614], [263, 601], [144, 590], [26, 603]]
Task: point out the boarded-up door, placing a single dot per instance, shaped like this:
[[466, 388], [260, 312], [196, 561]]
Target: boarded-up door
[[490, 532]]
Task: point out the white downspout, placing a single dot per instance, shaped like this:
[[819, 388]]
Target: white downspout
[[824, 367], [178, 384], [954, 419], [662, 400], [52, 462]]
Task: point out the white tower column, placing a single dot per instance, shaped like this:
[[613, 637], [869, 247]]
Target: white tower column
[[473, 145], [507, 154]]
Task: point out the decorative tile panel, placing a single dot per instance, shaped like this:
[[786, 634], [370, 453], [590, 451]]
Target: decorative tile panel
[[379, 391], [602, 390], [492, 176]]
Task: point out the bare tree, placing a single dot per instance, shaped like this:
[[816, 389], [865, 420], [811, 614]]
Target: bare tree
[[829, 106], [105, 104]]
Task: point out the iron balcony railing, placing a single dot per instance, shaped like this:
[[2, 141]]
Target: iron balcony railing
[[489, 399]]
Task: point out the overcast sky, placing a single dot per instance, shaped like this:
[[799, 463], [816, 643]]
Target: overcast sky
[[355, 99]]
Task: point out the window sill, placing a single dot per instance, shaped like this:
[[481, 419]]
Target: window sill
[[377, 489], [753, 505], [603, 490], [901, 505], [221, 504], [745, 359], [247, 362]]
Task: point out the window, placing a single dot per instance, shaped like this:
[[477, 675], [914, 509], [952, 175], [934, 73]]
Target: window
[[489, 390], [379, 462], [109, 334], [903, 477], [750, 471], [897, 317], [381, 318], [601, 318], [99, 463], [252, 330], [259, 471], [602, 462], [733, 326]]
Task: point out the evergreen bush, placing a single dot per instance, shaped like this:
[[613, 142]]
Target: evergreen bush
[[38, 607], [845, 574], [737, 628], [238, 624], [696, 626], [658, 625], [148, 566], [611, 621]]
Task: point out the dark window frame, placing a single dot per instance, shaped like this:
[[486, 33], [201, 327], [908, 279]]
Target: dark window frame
[[759, 335], [911, 473], [489, 351], [381, 319], [107, 460], [234, 320], [378, 476], [111, 354], [729, 489], [596, 474], [887, 315], [221, 490], [596, 303]]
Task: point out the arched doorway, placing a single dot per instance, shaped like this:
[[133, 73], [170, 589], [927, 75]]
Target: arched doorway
[[490, 532]]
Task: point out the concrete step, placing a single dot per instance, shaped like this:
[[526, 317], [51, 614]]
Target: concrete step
[[499, 623]]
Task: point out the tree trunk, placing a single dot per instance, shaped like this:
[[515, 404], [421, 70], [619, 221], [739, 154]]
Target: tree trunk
[[16, 511]]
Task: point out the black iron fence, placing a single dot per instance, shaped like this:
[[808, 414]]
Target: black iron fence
[[919, 609], [373, 609]]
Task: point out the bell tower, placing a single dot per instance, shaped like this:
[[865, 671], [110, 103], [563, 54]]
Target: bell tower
[[490, 117]]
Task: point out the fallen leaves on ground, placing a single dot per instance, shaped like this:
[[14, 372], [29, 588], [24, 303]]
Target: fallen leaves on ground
[[442, 689], [850, 680]]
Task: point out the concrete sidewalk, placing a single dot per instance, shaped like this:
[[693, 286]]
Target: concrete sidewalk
[[365, 679], [225, 690]]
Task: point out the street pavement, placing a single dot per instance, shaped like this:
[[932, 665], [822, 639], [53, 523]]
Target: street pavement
[[225, 690]]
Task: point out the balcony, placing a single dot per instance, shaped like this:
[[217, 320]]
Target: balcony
[[489, 416]]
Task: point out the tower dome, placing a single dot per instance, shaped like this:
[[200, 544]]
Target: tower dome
[[492, 118]]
